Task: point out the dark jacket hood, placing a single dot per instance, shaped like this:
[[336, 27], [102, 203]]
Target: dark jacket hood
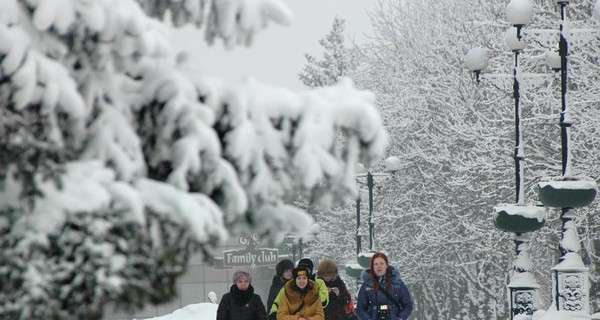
[[277, 280], [365, 275]]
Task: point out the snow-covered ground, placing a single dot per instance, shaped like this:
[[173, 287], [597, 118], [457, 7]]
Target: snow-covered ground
[[198, 311], [208, 311]]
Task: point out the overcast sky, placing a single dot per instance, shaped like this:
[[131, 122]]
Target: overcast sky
[[277, 55]]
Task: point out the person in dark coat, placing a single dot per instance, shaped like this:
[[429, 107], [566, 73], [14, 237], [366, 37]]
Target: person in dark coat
[[283, 273], [241, 303], [373, 303], [338, 294]]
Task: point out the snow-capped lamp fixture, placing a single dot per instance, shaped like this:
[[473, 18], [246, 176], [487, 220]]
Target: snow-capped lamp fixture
[[354, 270], [392, 164], [514, 43], [519, 13], [477, 60], [567, 192], [552, 60]]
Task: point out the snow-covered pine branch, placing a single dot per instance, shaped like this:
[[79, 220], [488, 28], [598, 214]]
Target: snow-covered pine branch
[[103, 125], [236, 22]]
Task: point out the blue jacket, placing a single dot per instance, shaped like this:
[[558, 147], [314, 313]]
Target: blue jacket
[[370, 301]]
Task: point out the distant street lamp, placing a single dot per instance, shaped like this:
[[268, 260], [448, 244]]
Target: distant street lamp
[[392, 164], [299, 241]]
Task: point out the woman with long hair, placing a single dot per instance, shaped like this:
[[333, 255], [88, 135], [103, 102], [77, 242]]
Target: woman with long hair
[[383, 295]]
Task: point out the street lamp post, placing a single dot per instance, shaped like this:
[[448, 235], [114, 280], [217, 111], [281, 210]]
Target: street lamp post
[[570, 291], [371, 222], [570, 276], [358, 235], [298, 241], [392, 164], [517, 218]]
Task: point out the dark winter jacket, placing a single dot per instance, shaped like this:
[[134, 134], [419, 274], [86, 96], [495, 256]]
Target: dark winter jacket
[[369, 301], [336, 309], [276, 286], [241, 305]]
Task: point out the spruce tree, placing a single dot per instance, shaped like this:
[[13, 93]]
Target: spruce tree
[[334, 64]]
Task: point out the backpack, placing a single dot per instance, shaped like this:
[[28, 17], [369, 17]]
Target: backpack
[[350, 308]]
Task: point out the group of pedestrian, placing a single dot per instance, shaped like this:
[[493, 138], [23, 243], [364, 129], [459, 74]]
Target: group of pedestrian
[[298, 294]]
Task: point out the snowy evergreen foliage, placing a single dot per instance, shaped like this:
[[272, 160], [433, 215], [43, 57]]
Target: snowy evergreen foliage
[[335, 63], [233, 21], [118, 159]]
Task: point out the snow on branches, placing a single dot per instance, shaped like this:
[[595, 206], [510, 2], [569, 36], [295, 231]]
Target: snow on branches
[[233, 21], [142, 114], [102, 124]]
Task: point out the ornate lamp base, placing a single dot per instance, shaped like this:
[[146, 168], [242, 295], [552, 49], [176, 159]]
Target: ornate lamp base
[[571, 285]]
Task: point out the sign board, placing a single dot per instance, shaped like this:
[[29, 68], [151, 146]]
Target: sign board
[[251, 256]]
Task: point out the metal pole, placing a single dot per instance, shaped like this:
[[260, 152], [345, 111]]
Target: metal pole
[[518, 156], [563, 48], [371, 223], [294, 250], [567, 214], [358, 240]]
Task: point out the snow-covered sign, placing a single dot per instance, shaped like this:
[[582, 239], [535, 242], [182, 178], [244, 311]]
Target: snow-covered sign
[[251, 256]]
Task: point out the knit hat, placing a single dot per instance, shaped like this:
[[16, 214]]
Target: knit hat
[[301, 271], [307, 263], [285, 264], [240, 273], [327, 267]]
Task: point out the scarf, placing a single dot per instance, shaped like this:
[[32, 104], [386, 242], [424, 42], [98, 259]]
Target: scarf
[[241, 297]]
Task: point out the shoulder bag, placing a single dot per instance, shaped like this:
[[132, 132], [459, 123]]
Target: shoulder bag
[[390, 298]]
